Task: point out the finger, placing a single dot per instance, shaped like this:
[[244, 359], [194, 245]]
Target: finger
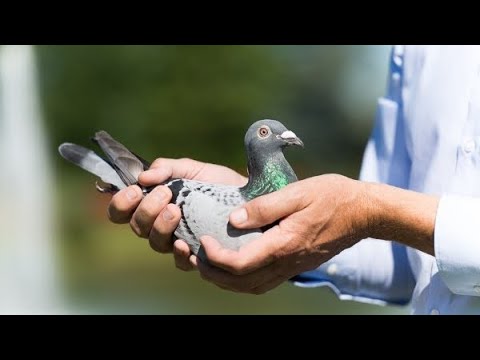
[[123, 204], [155, 176], [193, 260], [239, 283], [163, 169], [181, 254], [163, 228], [149, 209], [270, 285], [223, 287], [258, 253], [266, 209]]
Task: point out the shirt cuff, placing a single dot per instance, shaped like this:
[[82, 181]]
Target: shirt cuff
[[316, 278], [457, 243]]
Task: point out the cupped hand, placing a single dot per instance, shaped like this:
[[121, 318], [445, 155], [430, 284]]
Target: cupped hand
[[153, 217], [319, 217]]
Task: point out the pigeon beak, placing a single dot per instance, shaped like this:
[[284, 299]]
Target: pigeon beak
[[290, 138]]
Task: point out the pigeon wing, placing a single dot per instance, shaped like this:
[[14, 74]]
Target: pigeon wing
[[205, 211], [129, 165]]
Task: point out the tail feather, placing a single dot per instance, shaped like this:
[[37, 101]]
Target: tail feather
[[91, 162]]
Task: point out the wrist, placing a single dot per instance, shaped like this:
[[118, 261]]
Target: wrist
[[400, 215], [357, 209], [368, 214], [374, 208]]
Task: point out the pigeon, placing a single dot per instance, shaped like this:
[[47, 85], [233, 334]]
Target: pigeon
[[205, 207]]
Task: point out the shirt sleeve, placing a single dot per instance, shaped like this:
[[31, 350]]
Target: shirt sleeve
[[375, 271], [457, 243]]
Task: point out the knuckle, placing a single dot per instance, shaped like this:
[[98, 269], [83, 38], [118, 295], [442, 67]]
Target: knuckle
[[239, 267], [149, 210], [188, 163], [259, 209], [157, 163], [297, 192], [297, 195], [160, 246], [262, 206], [336, 177], [186, 160]]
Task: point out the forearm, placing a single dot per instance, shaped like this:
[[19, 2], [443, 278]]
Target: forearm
[[400, 215]]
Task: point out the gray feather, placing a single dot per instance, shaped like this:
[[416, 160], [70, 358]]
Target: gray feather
[[91, 162], [129, 165], [205, 211]]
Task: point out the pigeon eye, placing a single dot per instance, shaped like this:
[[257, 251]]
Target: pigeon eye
[[263, 132]]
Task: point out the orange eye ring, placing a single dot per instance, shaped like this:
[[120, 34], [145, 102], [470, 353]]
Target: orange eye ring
[[263, 132]]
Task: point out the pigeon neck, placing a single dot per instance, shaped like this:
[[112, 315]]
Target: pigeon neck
[[266, 174]]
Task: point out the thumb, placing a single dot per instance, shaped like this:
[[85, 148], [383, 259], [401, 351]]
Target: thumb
[[266, 209]]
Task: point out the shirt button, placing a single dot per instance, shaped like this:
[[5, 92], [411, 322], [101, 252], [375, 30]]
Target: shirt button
[[477, 289], [434, 312], [332, 269], [469, 146], [397, 59]]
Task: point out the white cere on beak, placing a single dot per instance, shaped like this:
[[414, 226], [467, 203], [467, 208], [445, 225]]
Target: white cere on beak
[[288, 135]]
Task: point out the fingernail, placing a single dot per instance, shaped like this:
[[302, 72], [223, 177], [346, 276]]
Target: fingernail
[[131, 194], [239, 216], [193, 260], [167, 215]]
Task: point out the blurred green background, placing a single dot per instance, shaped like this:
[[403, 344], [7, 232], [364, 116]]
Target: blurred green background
[[194, 101]]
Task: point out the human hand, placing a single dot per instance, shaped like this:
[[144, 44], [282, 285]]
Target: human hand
[[319, 217], [153, 217]]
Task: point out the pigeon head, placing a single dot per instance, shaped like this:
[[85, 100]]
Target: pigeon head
[[268, 170], [269, 135]]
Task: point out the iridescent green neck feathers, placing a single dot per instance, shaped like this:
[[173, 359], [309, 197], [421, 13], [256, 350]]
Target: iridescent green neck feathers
[[270, 175]]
